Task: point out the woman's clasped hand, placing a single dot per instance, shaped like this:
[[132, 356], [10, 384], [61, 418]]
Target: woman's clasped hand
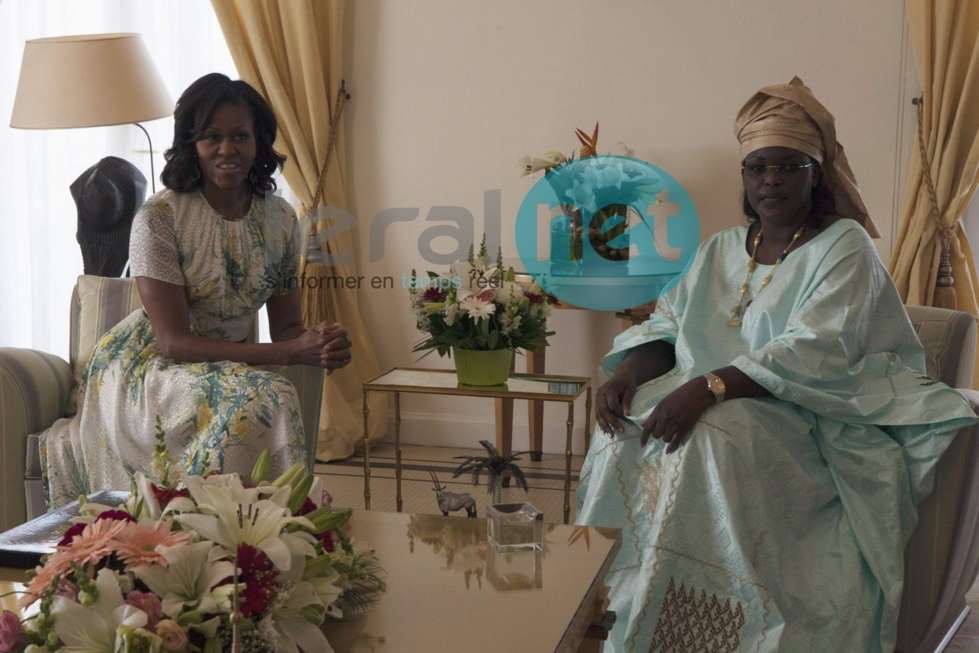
[[324, 345]]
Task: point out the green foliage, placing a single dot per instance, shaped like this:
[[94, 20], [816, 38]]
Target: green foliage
[[478, 305], [493, 465]]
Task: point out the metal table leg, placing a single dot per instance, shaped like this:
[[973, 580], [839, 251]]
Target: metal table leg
[[567, 464], [367, 453], [397, 447], [588, 419]]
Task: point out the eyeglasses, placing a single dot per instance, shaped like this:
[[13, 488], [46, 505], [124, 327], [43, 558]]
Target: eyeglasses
[[787, 169]]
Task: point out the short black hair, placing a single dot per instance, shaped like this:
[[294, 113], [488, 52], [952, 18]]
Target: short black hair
[[193, 114]]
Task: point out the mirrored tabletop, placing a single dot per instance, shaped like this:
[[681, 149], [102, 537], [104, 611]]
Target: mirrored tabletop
[[546, 387], [449, 591]]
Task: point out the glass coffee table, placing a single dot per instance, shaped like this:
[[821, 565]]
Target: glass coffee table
[[532, 387], [448, 590]]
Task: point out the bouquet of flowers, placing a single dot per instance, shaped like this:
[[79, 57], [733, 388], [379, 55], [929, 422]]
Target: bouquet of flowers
[[478, 305], [197, 564], [595, 190]]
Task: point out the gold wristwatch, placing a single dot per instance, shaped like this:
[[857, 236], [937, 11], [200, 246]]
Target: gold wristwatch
[[716, 386]]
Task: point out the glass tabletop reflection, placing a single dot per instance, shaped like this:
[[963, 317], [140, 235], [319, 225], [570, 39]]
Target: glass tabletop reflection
[[449, 590], [547, 387]]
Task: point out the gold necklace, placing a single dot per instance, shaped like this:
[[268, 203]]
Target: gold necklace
[[737, 312]]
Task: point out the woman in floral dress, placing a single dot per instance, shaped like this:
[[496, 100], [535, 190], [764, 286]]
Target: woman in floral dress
[[207, 252]]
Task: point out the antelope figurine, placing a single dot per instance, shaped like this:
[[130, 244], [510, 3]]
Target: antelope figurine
[[452, 501]]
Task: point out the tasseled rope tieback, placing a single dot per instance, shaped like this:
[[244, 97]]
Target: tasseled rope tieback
[[313, 311], [945, 282]]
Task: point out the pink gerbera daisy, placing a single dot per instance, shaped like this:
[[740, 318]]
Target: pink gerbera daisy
[[93, 543], [56, 564], [137, 542]]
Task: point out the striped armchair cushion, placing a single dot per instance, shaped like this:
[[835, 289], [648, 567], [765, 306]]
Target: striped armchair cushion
[[34, 387], [97, 305]]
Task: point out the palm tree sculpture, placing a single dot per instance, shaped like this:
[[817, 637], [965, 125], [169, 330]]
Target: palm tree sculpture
[[494, 465]]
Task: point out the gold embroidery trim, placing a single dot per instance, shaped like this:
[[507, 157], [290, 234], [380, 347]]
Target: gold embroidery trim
[[692, 621]]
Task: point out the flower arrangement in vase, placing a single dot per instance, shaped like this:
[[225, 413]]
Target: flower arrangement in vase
[[478, 310], [596, 190], [197, 564]]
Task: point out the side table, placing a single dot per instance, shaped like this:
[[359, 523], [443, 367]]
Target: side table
[[532, 387]]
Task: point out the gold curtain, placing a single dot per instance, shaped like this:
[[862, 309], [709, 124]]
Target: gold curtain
[[292, 52], [945, 41]]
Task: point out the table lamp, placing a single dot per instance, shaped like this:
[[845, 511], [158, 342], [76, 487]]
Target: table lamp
[[90, 80]]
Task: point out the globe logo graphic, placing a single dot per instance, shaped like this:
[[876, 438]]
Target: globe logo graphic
[[607, 232]]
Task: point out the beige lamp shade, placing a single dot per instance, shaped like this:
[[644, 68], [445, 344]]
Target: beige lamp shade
[[91, 80]]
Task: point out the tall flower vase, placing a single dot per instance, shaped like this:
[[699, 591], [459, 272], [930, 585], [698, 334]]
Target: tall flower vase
[[571, 245], [599, 236], [481, 367], [566, 241]]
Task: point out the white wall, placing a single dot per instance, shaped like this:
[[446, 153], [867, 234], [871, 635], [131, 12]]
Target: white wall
[[447, 95]]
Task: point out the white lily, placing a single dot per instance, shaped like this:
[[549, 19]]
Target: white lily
[[509, 292], [93, 629], [326, 588], [607, 175], [190, 578], [297, 621], [463, 270], [231, 514], [531, 164], [582, 195], [316, 490]]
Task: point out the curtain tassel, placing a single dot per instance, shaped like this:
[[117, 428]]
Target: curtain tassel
[[315, 307], [945, 283]]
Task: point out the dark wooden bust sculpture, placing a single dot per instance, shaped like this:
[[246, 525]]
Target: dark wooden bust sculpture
[[107, 196]]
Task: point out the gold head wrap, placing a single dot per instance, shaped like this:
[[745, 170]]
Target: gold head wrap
[[789, 115]]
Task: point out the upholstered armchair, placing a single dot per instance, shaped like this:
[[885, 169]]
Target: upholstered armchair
[[37, 388], [942, 558]]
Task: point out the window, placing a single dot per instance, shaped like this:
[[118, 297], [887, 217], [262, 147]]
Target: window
[[39, 256]]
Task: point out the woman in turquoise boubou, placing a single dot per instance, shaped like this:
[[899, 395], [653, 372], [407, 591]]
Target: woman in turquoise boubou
[[762, 441]]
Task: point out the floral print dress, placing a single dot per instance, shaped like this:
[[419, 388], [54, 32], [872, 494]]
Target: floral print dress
[[216, 415]]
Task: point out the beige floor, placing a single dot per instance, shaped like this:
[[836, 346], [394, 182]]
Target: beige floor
[[345, 481]]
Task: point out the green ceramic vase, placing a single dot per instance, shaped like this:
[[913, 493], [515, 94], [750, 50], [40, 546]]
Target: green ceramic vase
[[476, 367]]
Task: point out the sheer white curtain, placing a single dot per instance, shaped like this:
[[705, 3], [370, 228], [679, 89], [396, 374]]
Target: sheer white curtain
[[39, 256]]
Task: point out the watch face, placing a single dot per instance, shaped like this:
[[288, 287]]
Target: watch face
[[716, 387]]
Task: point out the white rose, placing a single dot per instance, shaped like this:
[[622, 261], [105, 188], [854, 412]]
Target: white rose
[[173, 636]]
